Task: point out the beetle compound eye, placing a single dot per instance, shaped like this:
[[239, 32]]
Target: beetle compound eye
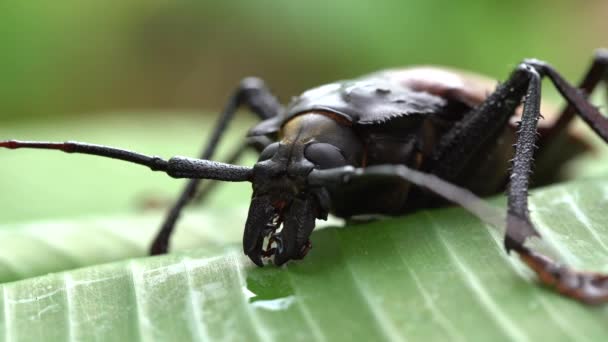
[[324, 155], [269, 151]]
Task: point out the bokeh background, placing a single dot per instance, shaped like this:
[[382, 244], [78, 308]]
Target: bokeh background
[[74, 57], [147, 74]]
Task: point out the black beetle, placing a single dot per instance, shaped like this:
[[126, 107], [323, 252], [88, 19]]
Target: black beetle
[[378, 144]]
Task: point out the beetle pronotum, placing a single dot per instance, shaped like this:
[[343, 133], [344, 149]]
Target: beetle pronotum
[[402, 139]]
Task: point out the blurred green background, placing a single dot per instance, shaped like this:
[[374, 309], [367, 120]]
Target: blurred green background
[[75, 57], [140, 74]]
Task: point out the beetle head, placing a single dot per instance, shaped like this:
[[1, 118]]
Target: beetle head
[[284, 205], [283, 208]]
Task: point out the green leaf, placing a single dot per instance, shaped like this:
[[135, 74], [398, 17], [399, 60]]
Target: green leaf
[[433, 275], [49, 246], [439, 275]]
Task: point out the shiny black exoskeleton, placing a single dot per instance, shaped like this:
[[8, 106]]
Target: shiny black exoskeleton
[[389, 143]]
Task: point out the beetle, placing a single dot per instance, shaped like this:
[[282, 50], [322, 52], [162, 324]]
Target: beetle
[[389, 143]]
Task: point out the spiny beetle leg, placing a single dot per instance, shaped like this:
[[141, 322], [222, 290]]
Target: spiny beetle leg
[[575, 98], [583, 286], [586, 287]]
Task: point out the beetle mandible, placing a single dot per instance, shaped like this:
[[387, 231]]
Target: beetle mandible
[[388, 143]]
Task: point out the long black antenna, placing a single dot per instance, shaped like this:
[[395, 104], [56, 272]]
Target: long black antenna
[[453, 193], [177, 167], [154, 163]]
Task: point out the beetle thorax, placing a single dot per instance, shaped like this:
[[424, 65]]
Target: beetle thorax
[[326, 128]]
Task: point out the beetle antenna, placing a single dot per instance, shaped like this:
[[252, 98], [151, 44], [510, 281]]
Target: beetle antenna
[[177, 167], [463, 197], [451, 192]]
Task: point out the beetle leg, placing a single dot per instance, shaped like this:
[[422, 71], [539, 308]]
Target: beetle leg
[[597, 73], [586, 287], [519, 226], [477, 128], [577, 100], [485, 122], [558, 143], [253, 93]]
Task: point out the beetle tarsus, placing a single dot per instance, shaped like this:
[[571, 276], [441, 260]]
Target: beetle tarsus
[[587, 287]]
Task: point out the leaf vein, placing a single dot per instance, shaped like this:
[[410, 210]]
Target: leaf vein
[[482, 295]]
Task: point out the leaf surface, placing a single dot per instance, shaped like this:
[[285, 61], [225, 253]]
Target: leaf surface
[[434, 275]]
